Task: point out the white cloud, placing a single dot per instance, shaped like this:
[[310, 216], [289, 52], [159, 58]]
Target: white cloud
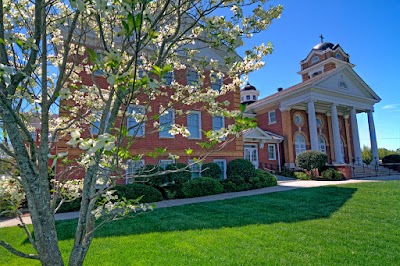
[[390, 106]]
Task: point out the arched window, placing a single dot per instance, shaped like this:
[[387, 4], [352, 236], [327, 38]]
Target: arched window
[[314, 59], [322, 143], [300, 144], [338, 56]]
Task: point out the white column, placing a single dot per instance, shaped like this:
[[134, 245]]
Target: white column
[[337, 147], [312, 126], [355, 136], [372, 137]]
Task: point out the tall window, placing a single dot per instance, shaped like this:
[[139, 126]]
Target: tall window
[[192, 77], [194, 124], [169, 77], [322, 143], [222, 165], [216, 83], [272, 117], [195, 169], [271, 152], [166, 121], [135, 121], [133, 168], [300, 144], [218, 122]]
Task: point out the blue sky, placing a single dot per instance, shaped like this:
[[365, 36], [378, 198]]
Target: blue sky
[[369, 31]]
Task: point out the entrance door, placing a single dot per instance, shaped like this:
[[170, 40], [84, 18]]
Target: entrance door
[[251, 154]]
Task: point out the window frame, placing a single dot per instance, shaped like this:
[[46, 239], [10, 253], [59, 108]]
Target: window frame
[[199, 124], [218, 82], [273, 158], [168, 127], [223, 124], [320, 144], [195, 173], [299, 149], [127, 173], [94, 130], [163, 163], [169, 78], [223, 171], [315, 59], [269, 117], [142, 125]]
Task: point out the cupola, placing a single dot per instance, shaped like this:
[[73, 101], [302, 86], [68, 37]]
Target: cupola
[[249, 94], [324, 56]]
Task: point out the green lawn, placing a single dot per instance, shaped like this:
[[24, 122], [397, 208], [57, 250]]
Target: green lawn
[[357, 224]]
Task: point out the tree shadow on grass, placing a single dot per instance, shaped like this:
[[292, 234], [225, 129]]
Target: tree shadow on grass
[[291, 206]]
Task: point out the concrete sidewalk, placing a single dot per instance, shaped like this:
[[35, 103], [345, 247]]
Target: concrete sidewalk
[[284, 184]]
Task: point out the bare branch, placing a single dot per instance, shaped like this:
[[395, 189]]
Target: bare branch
[[17, 252]]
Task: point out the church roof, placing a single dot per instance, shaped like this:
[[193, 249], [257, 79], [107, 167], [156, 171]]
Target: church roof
[[291, 89]]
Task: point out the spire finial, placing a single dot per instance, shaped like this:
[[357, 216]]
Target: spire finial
[[322, 38]]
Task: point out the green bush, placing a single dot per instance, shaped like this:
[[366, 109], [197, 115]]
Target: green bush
[[202, 186], [332, 174], [301, 175], [311, 160], [263, 179], [180, 176], [235, 183], [392, 158], [70, 206], [212, 170], [241, 167], [134, 191], [155, 181]]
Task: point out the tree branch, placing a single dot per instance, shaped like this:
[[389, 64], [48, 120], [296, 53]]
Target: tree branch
[[17, 252]]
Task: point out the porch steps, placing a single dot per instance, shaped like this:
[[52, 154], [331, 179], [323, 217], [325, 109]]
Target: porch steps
[[369, 171]]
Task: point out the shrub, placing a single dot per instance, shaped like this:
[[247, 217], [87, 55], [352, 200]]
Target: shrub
[[392, 158], [266, 179], [311, 160], [235, 183], [202, 186], [301, 175], [155, 181], [212, 170], [134, 191], [180, 176], [332, 174], [241, 167], [70, 206]]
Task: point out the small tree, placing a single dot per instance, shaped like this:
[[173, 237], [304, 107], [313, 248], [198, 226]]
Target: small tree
[[366, 155], [310, 160]]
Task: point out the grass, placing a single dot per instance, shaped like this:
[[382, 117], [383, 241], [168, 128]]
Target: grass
[[356, 224]]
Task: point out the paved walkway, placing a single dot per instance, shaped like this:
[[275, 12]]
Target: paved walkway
[[284, 184]]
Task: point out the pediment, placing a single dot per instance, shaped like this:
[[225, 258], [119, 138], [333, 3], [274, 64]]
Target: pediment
[[261, 135], [346, 81]]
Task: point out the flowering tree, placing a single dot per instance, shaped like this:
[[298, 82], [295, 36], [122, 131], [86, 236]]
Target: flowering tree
[[46, 47]]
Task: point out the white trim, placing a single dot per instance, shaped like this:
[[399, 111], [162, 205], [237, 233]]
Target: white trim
[[224, 162], [274, 152], [199, 124], [223, 124], [191, 164]]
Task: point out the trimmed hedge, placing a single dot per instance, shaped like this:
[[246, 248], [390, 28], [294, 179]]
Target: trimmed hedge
[[181, 176], [212, 170], [332, 174], [202, 186], [301, 175], [241, 167], [312, 160], [264, 179], [392, 158], [71, 206], [134, 191]]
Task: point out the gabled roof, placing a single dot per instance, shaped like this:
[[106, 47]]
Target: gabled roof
[[322, 47], [316, 82], [261, 135]]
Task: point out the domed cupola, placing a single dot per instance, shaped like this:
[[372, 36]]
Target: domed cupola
[[249, 94], [324, 57]]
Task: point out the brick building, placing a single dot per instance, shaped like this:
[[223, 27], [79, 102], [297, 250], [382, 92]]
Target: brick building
[[319, 113]]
